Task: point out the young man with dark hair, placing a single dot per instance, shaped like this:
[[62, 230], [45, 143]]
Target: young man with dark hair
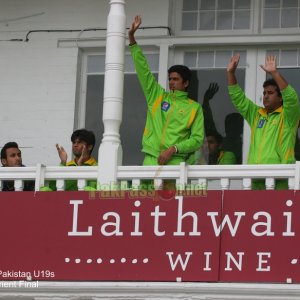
[[11, 156], [212, 153], [183, 71], [274, 126], [216, 154], [174, 126], [83, 142]]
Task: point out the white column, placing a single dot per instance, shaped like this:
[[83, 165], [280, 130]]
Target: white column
[[110, 151]]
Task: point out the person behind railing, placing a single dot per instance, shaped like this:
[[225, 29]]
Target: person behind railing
[[11, 156], [83, 142], [231, 144], [174, 126], [212, 152], [274, 126]]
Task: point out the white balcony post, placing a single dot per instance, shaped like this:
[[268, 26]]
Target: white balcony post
[[110, 151]]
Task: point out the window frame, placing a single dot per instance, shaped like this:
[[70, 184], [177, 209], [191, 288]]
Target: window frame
[[256, 23], [171, 52], [177, 22]]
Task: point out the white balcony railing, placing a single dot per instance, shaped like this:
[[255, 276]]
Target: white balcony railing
[[198, 177]]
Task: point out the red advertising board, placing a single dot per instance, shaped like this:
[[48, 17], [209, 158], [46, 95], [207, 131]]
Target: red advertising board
[[240, 236], [265, 247]]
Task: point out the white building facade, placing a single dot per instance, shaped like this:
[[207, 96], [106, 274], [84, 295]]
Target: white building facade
[[52, 82]]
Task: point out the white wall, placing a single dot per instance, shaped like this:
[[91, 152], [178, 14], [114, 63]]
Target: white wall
[[38, 79]]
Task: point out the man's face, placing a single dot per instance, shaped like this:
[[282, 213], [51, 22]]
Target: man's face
[[78, 146], [271, 98], [13, 158], [176, 82], [212, 144]]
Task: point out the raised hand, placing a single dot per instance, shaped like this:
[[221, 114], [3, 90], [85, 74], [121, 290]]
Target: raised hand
[[211, 91], [137, 21], [85, 155], [231, 67], [270, 64], [62, 154], [234, 61]]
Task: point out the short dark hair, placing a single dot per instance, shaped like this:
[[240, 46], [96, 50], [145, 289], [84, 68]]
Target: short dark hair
[[85, 136], [216, 135], [182, 70], [8, 146], [234, 124], [272, 82]]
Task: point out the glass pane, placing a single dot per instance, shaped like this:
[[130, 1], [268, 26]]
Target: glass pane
[[288, 58], [224, 20], [242, 4], [96, 64], [290, 3], [207, 4], [224, 118], [207, 20], [289, 18], [274, 52], [189, 21], [190, 5], [271, 18], [272, 3], [206, 59], [153, 61], [242, 20], [190, 59], [129, 67], [225, 4], [222, 58], [133, 121], [94, 108]]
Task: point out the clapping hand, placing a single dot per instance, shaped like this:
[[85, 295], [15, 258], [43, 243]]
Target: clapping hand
[[62, 154]]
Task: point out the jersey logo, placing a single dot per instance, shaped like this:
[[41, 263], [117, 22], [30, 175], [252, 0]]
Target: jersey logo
[[261, 123], [165, 106]]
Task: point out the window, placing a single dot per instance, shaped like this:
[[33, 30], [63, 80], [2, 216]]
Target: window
[[209, 67], [281, 14], [202, 15], [134, 104]]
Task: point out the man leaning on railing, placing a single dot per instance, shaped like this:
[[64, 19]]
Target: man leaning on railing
[[274, 126]]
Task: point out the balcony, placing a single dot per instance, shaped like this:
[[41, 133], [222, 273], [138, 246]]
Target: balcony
[[213, 238], [208, 177]]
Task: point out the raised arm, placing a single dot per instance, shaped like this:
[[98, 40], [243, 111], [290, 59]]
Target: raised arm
[[234, 61], [209, 122], [137, 21], [270, 67]]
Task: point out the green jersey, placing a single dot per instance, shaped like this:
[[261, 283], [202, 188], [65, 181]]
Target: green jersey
[[172, 118], [273, 134]]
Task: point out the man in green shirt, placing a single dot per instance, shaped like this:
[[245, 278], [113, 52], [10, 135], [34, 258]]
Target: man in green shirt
[[274, 126], [83, 142], [174, 126]]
